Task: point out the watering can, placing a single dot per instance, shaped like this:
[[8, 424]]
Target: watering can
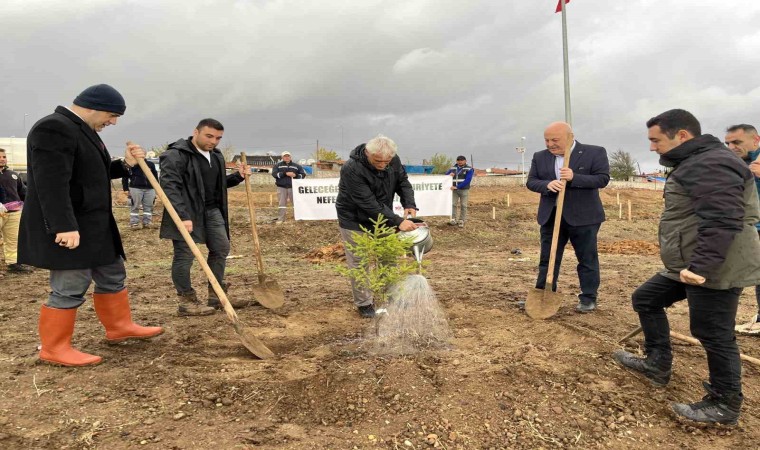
[[422, 241]]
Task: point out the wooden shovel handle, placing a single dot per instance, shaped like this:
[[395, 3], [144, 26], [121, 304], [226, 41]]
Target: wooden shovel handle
[[557, 223], [189, 240], [252, 214]]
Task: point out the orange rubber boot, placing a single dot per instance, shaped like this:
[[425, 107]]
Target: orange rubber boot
[[115, 315], [56, 327]]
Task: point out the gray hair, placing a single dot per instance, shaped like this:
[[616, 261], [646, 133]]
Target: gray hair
[[381, 146]]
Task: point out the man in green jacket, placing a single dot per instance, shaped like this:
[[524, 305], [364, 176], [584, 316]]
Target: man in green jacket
[[710, 249]]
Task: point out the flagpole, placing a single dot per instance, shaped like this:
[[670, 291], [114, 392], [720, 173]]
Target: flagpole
[[568, 113]]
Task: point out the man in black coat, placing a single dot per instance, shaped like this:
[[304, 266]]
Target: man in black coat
[[582, 215], [67, 224], [369, 180], [194, 178]]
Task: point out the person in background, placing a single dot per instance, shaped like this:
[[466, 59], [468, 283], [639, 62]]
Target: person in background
[[140, 193], [461, 175], [12, 195], [710, 249], [583, 214], [744, 141], [284, 172], [369, 180], [68, 227]]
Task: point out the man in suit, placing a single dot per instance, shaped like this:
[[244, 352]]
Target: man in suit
[[583, 213], [67, 224]]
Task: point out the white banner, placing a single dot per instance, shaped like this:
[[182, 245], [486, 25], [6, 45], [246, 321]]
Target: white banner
[[314, 198]]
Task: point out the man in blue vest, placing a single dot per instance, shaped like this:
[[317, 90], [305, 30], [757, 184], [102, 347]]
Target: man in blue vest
[[744, 141], [461, 175]]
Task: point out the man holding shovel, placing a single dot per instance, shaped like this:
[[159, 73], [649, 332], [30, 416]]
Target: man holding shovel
[[582, 215], [710, 249], [67, 224], [194, 179]]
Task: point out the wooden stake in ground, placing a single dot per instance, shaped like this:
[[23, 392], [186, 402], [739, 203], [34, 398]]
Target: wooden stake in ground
[[493, 212], [620, 212], [629, 210], [618, 198], [270, 200], [508, 200], [244, 332]]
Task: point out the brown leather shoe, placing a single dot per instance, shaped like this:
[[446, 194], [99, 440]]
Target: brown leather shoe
[[189, 305], [214, 302]]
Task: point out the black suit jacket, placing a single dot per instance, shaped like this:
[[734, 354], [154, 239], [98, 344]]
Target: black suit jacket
[[69, 188], [591, 171]]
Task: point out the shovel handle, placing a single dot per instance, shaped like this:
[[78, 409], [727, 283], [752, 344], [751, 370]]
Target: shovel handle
[[189, 240], [252, 214], [557, 223]]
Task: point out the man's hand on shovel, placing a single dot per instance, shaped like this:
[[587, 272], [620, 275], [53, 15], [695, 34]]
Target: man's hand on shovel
[[133, 153]]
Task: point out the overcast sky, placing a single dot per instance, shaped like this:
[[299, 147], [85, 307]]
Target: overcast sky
[[438, 76]]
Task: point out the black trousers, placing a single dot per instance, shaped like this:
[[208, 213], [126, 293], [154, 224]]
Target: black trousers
[[583, 239], [712, 316]]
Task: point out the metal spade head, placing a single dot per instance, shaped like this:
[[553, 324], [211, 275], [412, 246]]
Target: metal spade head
[[268, 293], [251, 342], [542, 303]]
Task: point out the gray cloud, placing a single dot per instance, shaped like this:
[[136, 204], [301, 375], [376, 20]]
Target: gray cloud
[[436, 75]]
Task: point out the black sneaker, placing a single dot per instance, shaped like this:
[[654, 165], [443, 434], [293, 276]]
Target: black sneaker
[[657, 376], [19, 268], [714, 407], [584, 308], [367, 311]]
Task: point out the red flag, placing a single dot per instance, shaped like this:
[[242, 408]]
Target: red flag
[[559, 5]]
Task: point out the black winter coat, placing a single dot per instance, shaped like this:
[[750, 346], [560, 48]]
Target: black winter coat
[[182, 181], [365, 192], [68, 189]]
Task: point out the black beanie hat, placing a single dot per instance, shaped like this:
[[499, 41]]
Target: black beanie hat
[[101, 97]]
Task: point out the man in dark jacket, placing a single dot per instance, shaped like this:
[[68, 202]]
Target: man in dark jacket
[[12, 194], [194, 178], [369, 180], [744, 141], [710, 249], [461, 175], [67, 224], [284, 172], [582, 215], [140, 193]]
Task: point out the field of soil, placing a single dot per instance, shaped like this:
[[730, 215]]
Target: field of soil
[[506, 382]]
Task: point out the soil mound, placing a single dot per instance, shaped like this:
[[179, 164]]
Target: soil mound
[[334, 252], [630, 247]]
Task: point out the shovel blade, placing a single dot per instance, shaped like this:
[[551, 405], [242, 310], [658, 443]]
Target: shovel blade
[[542, 303], [252, 343], [268, 293]]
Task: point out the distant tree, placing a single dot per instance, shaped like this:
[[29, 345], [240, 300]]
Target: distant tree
[[158, 150], [324, 154], [622, 165], [228, 151], [441, 163]]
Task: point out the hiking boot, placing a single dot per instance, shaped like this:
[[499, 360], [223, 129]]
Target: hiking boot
[[714, 407], [135, 226], [461, 224], [648, 366], [214, 302], [452, 222], [189, 305], [19, 268], [367, 311], [149, 226], [584, 308]]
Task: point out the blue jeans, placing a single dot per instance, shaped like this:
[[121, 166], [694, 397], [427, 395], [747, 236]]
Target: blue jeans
[[712, 314], [583, 239], [218, 248], [69, 286]]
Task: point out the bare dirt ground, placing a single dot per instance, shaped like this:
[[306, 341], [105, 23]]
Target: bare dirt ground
[[507, 382]]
